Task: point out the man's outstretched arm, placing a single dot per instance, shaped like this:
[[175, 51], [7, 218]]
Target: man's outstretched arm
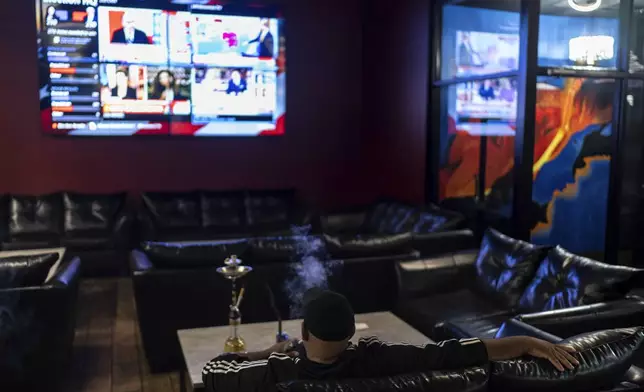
[[391, 358], [513, 347]]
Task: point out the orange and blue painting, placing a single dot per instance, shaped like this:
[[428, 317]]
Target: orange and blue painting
[[571, 164]]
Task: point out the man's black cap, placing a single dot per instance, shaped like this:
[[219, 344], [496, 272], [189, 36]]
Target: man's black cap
[[328, 315]]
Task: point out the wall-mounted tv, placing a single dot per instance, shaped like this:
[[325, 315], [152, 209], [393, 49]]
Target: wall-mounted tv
[[161, 67]]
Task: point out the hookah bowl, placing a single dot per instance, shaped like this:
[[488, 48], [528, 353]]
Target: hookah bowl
[[233, 270]]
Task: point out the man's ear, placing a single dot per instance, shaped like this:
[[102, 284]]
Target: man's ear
[[305, 333]]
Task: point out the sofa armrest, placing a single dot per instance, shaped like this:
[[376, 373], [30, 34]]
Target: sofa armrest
[[429, 244], [68, 273], [626, 312], [427, 276], [139, 262], [514, 327]]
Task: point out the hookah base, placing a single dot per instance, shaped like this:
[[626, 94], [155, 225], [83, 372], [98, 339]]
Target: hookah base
[[234, 345]]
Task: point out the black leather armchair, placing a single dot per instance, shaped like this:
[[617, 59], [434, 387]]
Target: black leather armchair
[[37, 330], [97, 227], [210, 215], [470, 294]]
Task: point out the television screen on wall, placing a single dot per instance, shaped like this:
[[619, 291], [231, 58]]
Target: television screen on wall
[[160, 67]]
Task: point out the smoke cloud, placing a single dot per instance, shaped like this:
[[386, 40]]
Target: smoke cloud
[[311, 268]]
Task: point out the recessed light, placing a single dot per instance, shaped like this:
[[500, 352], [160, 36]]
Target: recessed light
[[591, 5]]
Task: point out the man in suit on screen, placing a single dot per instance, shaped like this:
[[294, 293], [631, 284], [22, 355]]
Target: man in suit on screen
[[129, 34]]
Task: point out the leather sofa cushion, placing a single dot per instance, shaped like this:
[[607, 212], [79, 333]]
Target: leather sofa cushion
[[565, 280], [604, 358], [343, 223], [210, 254], [425, 313], [284, 249], [91, 212], [391, 218], [34, 215], [505, 266], [26, 271], [368, 245], [466, 380], [222, 210], [173, 210], [269, 208]]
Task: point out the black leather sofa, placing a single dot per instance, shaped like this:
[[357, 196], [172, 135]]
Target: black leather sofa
[[429, 230], [605, 359], [96, 227], [472, 293], [209, 215], [177, 287], [37, 320]]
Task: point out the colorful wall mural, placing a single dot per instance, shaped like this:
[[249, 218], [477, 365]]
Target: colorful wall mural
[[571, 165]]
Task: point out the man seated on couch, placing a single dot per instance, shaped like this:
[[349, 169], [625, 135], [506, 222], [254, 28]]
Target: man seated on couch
[[325, 352]]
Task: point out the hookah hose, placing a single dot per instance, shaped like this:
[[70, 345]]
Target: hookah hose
[[281, 336]]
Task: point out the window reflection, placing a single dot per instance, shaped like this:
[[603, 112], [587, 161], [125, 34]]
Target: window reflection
[[479, 41], [575, 39]]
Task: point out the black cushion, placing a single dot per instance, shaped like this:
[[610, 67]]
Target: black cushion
[[368, 245], [173, 210], [466, 380], [269, 209], [565, 280], [85, 212], [34, 215], [211, 254], [505, 266], [222, 210], [425, 313], [25, 271], [604, 358]]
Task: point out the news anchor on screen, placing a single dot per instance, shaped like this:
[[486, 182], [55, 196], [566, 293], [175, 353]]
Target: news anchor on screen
[[129, 34], [236, 85], [263, 45], [123, 89], [164, 87]]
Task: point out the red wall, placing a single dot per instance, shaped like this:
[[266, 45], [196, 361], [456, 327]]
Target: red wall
[[319, 154], [395, 63], [355, 117]]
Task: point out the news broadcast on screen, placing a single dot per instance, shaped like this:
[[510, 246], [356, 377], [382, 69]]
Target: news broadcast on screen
[[161, 67]]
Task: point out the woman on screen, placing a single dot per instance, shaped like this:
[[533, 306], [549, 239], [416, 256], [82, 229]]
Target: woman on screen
[[236, 85], [164, 87], [123, 89]]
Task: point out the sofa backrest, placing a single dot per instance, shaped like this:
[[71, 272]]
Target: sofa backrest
[[91, 212], [269, 209], [28, 215], [470, 380], [391, 217], [222, 210], [173, 210], [564, 280]]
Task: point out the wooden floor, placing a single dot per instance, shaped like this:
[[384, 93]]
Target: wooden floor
[[108, 356]]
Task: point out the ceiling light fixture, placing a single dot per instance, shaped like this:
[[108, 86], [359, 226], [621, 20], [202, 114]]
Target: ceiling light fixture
[[591, 5]]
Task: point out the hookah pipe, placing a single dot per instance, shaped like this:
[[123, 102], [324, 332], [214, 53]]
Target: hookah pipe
[[281, 335]]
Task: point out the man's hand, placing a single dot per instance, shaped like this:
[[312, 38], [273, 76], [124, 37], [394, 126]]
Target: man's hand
[[558, 354]]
